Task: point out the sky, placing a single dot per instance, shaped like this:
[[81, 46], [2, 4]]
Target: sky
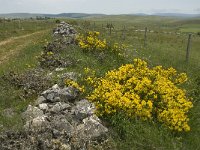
[[100, 6]]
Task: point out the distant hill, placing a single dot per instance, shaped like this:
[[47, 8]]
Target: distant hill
[[62, 15], [167, 15], [176, 15], [73, 15], [85, 15], [140, 14], [20, 15]]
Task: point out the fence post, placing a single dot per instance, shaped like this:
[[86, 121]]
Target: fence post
[[4, 23], [19, 25], [145, 37], [13, 24], [110, 26], [188, 47]]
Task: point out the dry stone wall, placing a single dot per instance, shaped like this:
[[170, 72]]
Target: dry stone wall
[[59, 119]]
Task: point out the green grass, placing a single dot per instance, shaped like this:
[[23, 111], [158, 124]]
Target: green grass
[[140, 135], [15, 28], [195, 28], [26, 54], [163, 48], [10, 96]]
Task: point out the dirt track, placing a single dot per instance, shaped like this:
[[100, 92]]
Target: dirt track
[[19, 42]]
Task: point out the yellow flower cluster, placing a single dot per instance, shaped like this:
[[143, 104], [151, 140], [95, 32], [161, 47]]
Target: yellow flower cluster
[[50, 53], [69, 82], [143, 92], [90, 76], [118, 48], [91, 41]]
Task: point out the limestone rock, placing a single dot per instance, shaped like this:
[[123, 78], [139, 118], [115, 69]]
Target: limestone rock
[[32, 112], [92, 128], [66, 31], [55, 88], [40, 100], [36, 123], [43, 106], [68, 94], [56, 108], [84, 109]]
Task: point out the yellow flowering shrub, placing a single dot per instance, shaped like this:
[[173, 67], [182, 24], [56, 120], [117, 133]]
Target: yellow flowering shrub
[[69, 82], [90, 76], [91, 41], [118, 48], [143, 92]]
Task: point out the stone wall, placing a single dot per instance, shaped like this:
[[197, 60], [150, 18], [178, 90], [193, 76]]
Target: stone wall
[[58, 120]]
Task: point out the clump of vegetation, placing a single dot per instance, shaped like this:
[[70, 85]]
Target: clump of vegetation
[[74, 84], [55, 46], [51, 60], [58, 21], [143, 92], [91, 42], [32, 81], [51, 55], [86, 24], [118, 48]]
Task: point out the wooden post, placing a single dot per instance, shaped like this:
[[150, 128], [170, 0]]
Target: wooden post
[[145, 37], [13, 24], [19, 25], [4, 23], [188, 47], [109, 26]]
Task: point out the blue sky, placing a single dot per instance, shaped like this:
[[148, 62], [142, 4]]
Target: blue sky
[[100, 6]]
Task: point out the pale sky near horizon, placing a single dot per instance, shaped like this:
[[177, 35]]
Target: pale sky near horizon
[[100, 6]]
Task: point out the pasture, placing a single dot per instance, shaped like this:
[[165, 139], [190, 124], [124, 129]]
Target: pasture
[[22, 41]]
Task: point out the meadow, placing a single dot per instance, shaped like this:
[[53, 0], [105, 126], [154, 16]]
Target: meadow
[[166, 43]]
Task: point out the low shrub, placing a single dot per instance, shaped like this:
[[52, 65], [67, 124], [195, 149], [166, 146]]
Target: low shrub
[[143, 92], [32, 82], [91, 42]]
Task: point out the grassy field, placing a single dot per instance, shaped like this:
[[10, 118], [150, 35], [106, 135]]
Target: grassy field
[[166, 46], [17, 52], [13, 28], [166, 43]]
